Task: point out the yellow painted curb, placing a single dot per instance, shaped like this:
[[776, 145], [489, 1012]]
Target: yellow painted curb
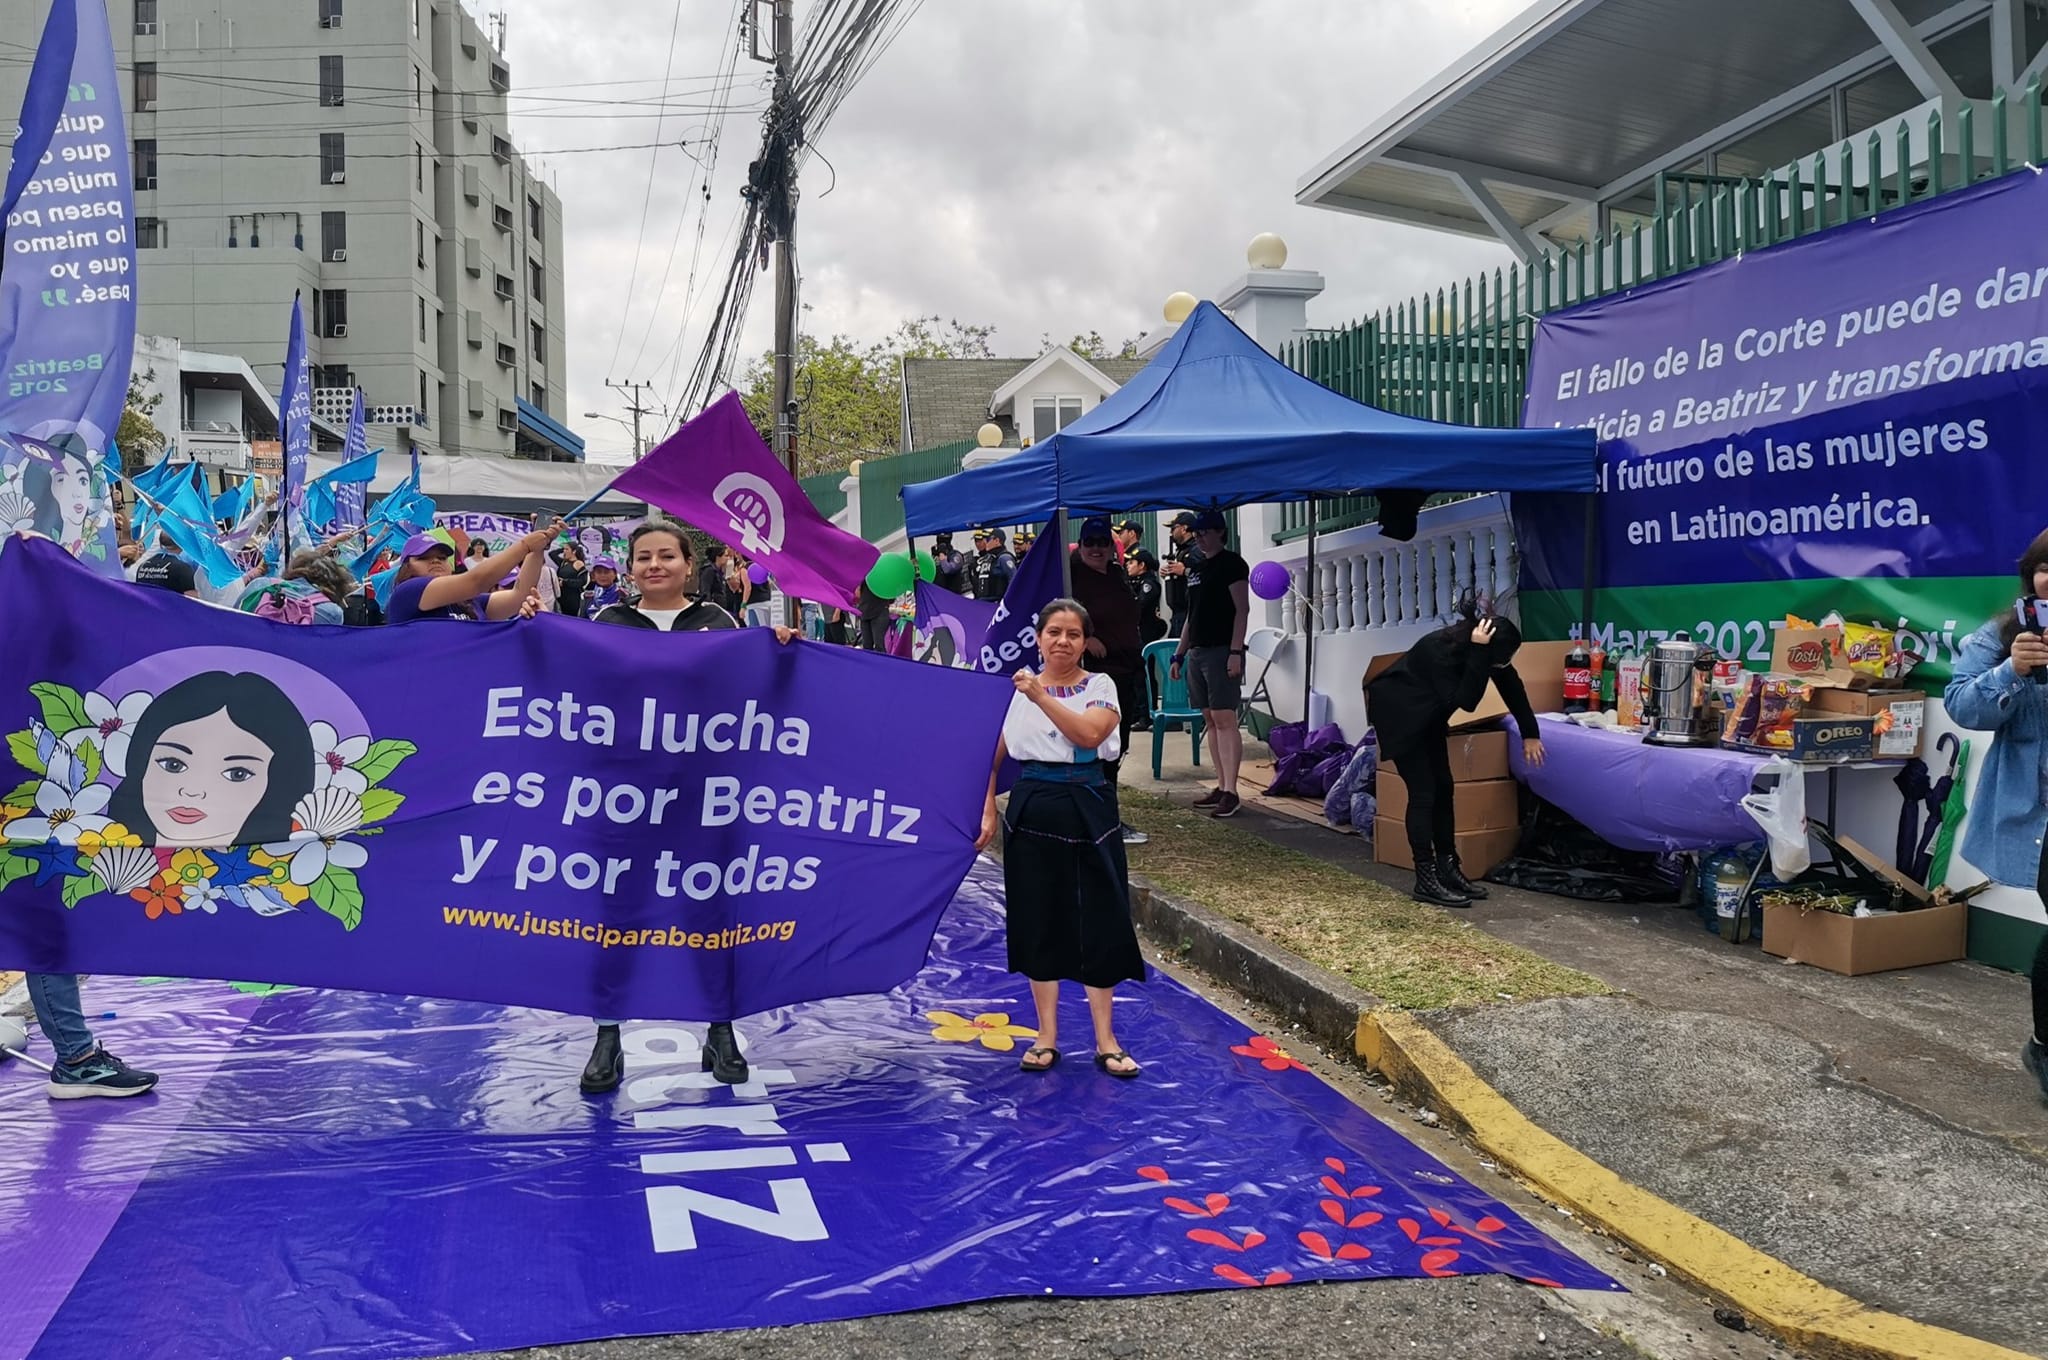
[[1801, 1310]]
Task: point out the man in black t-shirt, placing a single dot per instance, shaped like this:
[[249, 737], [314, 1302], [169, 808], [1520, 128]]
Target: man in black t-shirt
[[1212, 652], [1181, 553], [165, 570]]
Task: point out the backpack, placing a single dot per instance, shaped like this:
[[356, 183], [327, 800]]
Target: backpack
[[282, 602], [361, 610]]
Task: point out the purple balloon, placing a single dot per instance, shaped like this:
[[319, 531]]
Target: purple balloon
[[757, 573], [1270, 580]]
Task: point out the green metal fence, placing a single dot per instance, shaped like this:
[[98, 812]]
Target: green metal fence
[[825, 492], [881, 508], [1461, 353]]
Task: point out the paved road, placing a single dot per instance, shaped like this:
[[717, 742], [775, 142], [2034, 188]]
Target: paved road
[[1472, 1319]]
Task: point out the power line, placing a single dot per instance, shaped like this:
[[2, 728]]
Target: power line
[[646, 200]]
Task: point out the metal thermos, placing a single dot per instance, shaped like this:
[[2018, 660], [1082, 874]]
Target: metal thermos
[[1674, 694]]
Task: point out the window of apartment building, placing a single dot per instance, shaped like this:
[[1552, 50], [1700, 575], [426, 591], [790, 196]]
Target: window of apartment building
[[539, 398], [145, 163], [145, 16], [423, 320], [423, 386], [333, 236], [419, 166], [333, 375], [150, 233], [419, 244], [418, 92], [540, 340], [145, 86], [330, 82], [533, 220], [333, 157], [537, 276], [330, 13], [333, 305], [1050, 415]]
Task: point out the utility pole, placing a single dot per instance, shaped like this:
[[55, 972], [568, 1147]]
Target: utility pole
[[638, 407], [782, 222]]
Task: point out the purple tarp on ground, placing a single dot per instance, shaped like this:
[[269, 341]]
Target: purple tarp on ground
[[1640, 797], [340, 1174]]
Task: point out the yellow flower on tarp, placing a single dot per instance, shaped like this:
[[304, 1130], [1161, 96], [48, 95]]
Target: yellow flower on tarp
[[189, 867], [8, 813], [113, 835], [280, 880], [991, 1029]]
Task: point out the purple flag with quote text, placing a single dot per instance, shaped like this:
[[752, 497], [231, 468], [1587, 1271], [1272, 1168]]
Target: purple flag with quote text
[[716, 474], [600, 821]]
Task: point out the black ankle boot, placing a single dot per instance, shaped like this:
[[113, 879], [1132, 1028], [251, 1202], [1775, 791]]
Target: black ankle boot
[[607, 1064], [1431, 888], [722, 1055], [1454, 878]]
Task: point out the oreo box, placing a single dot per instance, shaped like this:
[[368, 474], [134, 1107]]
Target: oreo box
[[1834, 737]]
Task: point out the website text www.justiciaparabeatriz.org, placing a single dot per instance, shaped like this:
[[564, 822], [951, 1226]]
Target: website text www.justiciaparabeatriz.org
[[526, 923]]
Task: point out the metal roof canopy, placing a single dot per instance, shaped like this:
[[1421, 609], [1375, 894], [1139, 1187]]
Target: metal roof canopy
[[1574, 104]]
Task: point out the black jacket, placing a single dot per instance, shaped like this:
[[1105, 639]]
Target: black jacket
[[1411, 701], [698, 617]]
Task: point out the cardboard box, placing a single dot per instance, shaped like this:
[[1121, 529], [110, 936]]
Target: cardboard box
[[1628, 693], [1539, 664], [1487, 805], [1835, 737], [1479, 852], [1884, 868], [1907, 707], [1479, 756], [1814, 655], [1855, 945]]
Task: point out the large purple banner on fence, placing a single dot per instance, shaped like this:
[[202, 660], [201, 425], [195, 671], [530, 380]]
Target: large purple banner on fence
[[1860, 406], [541, 812]]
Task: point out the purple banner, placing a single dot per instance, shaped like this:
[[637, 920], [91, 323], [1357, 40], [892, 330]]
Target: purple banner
[[295, 416], [457, 1195], [716, 474], [67, 294], [961, 621], [349, 497], [595, 820], [1011, 642], [1861, 405]]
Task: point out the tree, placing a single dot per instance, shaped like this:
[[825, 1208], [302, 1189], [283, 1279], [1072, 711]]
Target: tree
[[1092, 346], [138, 438], [850, 393]]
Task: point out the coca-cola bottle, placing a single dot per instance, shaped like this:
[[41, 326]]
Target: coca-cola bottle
[[1578, 679]]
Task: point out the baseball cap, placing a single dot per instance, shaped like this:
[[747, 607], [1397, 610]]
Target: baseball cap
[[1210, 519], [1130, 524], [1095, 526], [1184, 520], [1144, 555], [604, 564], [986, 532], [421, 545]]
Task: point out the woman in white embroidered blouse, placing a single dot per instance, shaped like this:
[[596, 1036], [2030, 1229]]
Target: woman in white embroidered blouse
[[1064, 873]]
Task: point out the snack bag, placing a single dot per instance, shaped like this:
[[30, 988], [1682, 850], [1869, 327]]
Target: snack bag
[[1871, 651], [1742, 714], [1781, 700]]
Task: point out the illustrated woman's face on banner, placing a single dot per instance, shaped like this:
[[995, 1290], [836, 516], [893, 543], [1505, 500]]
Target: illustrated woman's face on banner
[[71, 487], [203, 779]]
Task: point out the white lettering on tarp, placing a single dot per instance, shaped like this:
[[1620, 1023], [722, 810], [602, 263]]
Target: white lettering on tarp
[[794, 1216]]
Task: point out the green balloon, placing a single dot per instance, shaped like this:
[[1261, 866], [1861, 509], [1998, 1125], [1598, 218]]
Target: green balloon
[[927, 569], [893, 575]]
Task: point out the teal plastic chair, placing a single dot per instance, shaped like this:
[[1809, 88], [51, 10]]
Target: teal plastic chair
[[1171, 708]]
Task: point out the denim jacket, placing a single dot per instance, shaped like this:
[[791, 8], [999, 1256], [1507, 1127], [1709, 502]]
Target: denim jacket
[[2008, 814]]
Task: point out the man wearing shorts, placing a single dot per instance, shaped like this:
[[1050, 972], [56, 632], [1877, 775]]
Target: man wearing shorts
[[1212, 652]]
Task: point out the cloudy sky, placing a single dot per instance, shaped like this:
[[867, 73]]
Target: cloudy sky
[[1040, 165]]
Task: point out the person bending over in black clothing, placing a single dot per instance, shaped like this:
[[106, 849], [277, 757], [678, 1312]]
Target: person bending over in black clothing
[[1411, 706]]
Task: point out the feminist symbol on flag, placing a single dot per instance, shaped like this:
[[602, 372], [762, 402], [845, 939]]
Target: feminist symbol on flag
[[755, 510]]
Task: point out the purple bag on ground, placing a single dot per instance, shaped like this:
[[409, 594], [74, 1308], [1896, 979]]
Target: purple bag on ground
[[1302, 773], [1287, 739], [1340, 804]]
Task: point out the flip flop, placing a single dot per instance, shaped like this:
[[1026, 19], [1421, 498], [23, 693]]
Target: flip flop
[[1025, 1064], [1103, 1061]]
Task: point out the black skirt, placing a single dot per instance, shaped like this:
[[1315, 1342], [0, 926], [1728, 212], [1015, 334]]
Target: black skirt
[[1068, 886]]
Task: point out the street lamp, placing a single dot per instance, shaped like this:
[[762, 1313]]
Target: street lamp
[[627, 425]]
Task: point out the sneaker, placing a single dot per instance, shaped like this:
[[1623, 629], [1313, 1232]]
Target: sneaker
[[1226, 806], [2035, 1059], [1210, 799], [1133, 836], [100, 1074]]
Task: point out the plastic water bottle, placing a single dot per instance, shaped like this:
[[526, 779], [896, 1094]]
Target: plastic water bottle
[[1724, 878]]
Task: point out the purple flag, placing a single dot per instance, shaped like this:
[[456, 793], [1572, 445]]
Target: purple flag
[[67, 296], [617, 823], [1011, 641], [716, 473], [944, 612]]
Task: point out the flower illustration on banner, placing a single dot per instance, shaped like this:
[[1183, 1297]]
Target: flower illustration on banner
[[1271, 1056], [212, 791], [991, 1029]]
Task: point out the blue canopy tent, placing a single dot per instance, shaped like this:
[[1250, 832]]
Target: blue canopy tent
[[1216, 421]]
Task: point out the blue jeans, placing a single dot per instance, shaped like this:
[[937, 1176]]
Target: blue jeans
[[55, 997], [760, 616]]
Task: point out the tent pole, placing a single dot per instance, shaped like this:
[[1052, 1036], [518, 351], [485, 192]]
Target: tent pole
[[1589, 565], [1309, 598], [1059, 539]]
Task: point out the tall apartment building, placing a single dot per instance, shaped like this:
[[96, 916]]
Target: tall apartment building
[[357, 152]]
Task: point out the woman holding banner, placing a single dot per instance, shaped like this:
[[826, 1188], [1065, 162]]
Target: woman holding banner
[[659, 557], [427, 586], [1064, 873]]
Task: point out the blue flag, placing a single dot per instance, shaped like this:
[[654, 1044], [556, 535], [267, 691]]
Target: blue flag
[[67, 299], [295, 414], [183, 513], [350, 489]]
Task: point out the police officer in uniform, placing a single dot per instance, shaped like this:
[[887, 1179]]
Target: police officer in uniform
[[989, 574]]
